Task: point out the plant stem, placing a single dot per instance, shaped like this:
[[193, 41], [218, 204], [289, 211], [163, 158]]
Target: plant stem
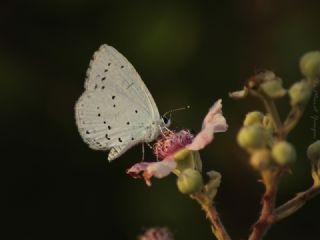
[[271, 179], [207, 206], [294, 204], [292, 119]]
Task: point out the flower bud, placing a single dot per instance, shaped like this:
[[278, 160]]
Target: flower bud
[[300, 93], [189, 181], [252, 136], [261, 159], [253, 118], [186, 159], [284, 153], [267, 122], [310, 64], [313, 151], [273, 88]]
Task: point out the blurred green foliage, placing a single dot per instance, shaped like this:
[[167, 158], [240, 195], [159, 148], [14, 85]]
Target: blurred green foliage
[[188, 53]]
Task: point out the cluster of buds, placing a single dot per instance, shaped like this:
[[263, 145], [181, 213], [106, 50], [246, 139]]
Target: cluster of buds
[[257, 137], [263, 135]]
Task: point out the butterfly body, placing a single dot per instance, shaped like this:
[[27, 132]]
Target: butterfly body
[[116, 110]]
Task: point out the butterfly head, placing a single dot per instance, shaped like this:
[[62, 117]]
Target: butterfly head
[[166, 120]]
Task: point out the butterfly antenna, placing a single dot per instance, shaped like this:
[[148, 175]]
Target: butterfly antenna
[[175, 110]]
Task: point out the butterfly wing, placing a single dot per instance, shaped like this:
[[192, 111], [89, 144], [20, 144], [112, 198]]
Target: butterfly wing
[[116, 108]]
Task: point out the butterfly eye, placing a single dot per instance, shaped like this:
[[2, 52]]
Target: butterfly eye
[[166, 121]]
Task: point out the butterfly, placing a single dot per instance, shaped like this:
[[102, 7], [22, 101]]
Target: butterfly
[[116, 111]]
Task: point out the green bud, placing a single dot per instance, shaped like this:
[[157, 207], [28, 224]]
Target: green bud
[[300, 93], [252, 136], [273, 88], [267, 122], [253, 118], [313, 151], [189, 181], [186, 159], [261, 159], [310, 64], [284, 153]]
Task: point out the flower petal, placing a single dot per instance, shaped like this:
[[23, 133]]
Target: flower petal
[[212, 123], [135, 170], [159, 169]]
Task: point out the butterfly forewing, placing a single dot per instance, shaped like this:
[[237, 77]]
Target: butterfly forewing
[[109, 64]]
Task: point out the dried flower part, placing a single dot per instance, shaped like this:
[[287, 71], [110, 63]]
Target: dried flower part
[[284, 153], [267, 82], [300, 93], [156, 233], [239, 94], [211, 188], [310, 64], [274, 88], [170, 142]]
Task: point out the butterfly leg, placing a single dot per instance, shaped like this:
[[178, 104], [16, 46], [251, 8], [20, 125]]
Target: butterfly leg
[[142, 152], [168, 129]]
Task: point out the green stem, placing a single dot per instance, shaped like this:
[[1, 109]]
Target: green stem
[[292, 119], [293, 205], [271, 179], [207, 206]]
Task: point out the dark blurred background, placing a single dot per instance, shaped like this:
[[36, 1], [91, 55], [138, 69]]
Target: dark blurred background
[[188, 53]]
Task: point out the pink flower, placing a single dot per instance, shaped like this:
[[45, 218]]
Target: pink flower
[[171, 142], [156, 234]]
